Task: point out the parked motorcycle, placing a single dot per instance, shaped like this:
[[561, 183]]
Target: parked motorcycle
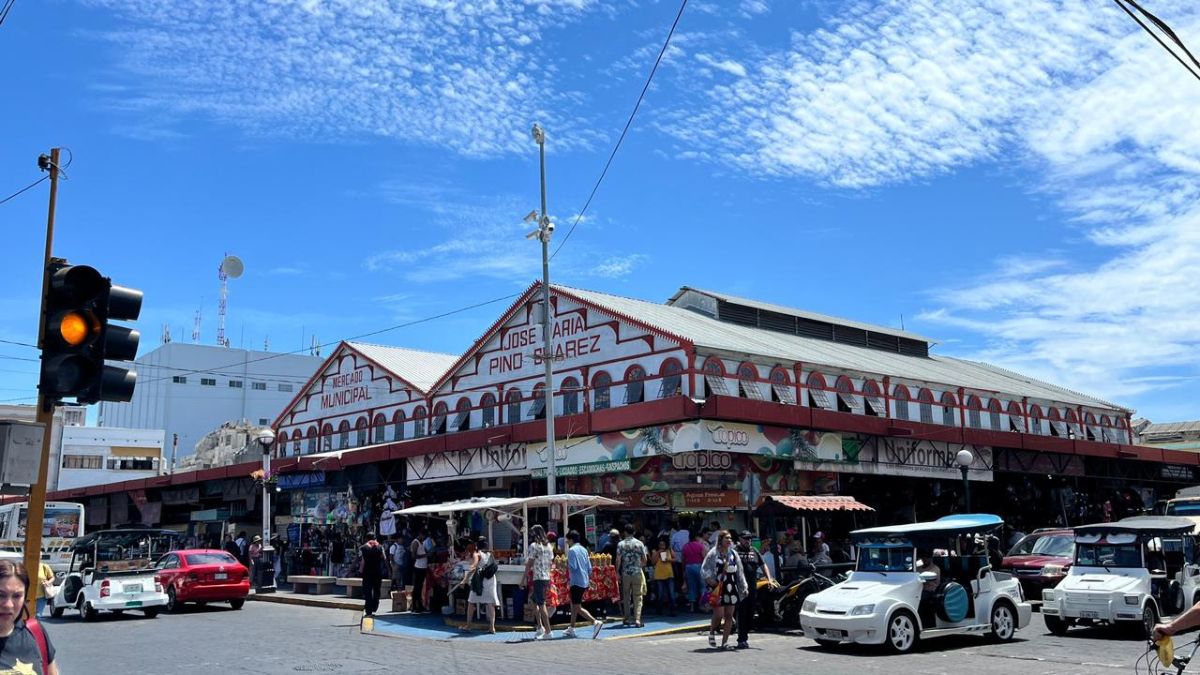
[[779, 605]]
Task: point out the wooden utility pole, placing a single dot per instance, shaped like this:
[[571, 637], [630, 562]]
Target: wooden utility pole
[[45, 416]]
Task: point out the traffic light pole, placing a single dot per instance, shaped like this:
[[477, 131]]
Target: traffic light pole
[[45, 417]]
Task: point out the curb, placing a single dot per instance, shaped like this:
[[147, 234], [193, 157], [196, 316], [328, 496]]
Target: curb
[[307, 602], [666, 631]]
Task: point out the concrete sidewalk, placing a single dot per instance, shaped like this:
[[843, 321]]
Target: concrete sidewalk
[[436, 627]]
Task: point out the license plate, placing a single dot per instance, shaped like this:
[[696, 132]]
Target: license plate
[[132, 588], [1088, 614], [220, 576], [134, 603], [836, 634]]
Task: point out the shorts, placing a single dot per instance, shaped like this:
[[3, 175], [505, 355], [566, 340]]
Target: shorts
[[577, 594], [539, 591]]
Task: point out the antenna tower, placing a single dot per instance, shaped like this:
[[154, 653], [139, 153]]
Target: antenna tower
[[166, 333], [231, 268], [314, 348], [196, 329]]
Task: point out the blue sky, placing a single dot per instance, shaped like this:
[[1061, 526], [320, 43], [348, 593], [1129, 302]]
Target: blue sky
[[1017, 178]]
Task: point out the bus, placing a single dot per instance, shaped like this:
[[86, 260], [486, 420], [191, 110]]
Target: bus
[[1186, 503], [61, 524]]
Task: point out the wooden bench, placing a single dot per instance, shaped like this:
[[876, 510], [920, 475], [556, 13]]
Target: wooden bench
[[354, 586], [317, 585]]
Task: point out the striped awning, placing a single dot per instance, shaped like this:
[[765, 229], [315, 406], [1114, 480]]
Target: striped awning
[[816, 503]]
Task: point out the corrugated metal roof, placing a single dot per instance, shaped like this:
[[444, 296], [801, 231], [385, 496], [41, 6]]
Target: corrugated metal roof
[[418, 368], [718, 335], [803, 314], [1171, 427]]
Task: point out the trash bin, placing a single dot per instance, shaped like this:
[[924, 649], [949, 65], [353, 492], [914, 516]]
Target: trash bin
[[264, 574]]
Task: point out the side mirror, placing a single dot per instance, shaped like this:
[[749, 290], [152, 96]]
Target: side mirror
[[928, 576]]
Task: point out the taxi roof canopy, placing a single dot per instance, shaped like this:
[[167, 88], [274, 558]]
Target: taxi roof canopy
[[1149, 526], [123, 537], [942, 528]]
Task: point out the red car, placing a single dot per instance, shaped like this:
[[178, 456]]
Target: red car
[[202, 576], [1041, 560]]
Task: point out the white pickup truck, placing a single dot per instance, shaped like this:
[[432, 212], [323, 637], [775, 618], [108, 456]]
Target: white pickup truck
[[113, 571]]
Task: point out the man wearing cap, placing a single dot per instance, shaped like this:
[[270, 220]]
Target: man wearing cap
[[820, 554], [753, 566]]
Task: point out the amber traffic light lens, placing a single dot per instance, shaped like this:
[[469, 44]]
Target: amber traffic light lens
[[74, 329]]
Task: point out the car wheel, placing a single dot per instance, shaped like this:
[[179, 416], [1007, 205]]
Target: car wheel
[[173, 604], [87, 612], [150, 612], [1149, 619], [828, 644], [237, 604], [902, 632], [1056, 625], [56, 612], [1004, 622]]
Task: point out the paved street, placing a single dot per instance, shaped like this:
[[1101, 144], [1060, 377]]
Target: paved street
[[269, 638]]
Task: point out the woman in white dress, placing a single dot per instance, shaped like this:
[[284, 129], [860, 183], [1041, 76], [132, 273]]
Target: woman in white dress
[[483, 591]]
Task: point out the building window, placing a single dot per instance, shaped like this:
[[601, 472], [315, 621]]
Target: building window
[[488, 402], [360, 437], [900, 397], [133, 464], [748, 382], [83, 462], [262, 421], [974, 408], [236, 384], [419, 422], [537, 410], [817, 396], [714, 378], [846, 399], [601, 394], [1035, 420], [672, 384], [781, 387], [343, 435], [994, 411], [312, 440], [635, 381], [513, 399], [570, 396], [258, 386], [179, 379], [208, 382], [873, 400], [379, 429], [286, 388], [1014, 417], [398, 426], [440, 412], [948, 405], [462, 415], [296, 446]]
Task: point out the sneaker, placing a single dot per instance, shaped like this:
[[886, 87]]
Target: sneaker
[[742, 644], [712, 640], [596, 629], [569, 632], [539, 633]]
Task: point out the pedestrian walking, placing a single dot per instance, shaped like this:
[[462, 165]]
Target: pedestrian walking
[[722, 571], [579, 569], [23, 641], [537, 567], [372, 568], [664, 576], [419, 550], [481, 577], [680, 537], [693, 558], [753, 567], [631, 555]]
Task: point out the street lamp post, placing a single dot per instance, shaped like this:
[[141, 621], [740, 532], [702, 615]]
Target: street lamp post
[[964, 459], [265, 577], [543, 233]]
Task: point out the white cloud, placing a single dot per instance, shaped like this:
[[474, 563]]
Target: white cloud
[[726, 65], [616, 267]]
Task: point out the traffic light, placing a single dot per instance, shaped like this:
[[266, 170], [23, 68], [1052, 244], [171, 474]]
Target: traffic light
[[77, 337]]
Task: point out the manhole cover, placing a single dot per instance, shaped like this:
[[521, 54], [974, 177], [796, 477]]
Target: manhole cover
[[318, 667]]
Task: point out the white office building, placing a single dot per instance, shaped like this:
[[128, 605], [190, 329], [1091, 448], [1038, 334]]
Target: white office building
[[189, 390], [100, 455]]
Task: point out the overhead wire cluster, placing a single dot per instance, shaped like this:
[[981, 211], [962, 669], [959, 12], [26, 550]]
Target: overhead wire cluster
[[1162, 30]]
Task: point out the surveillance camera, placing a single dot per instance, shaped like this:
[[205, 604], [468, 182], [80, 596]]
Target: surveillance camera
[[550, 226]]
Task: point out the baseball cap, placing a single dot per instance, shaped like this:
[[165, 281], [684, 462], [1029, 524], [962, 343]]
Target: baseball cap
[[747, 534]]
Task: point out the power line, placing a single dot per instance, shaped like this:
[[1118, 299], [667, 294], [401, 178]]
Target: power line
[[1166, 29], [5, 10], [612, 155], [19, 344], [27, 187], [17, 358]]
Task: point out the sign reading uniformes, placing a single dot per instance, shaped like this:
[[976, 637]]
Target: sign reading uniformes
[[897, 457], [508, 459]]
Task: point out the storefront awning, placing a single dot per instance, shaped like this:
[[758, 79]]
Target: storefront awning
[[816, 503]]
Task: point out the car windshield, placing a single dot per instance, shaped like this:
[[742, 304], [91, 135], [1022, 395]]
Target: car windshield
[[1060, 545], [1184, 509], [885, 559], [210, 558], [1108, 555]]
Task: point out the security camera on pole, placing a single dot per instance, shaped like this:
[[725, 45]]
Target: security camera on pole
[[543, 233]]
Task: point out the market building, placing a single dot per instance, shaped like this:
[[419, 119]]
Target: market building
[[698, 406]]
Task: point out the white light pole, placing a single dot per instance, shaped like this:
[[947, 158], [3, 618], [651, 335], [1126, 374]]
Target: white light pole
[[265, 438], [543, 233], [964, 459]]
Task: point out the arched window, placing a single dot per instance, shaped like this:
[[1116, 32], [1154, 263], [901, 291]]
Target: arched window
[[817, 396], [873, 399], [900, 401], [537, 410], [360, 436], [297, 442], [379, 429], [848, 401], [995, 410], [714, 378], [601, 394], [488, 403], [949, 403], [398, 426], [438, 425], [462, 415], [344, 435], [312, 440], [925, 401], [513, 399], [326, 438], [635, 384], [419, 422], [672, 383], [974, 412], [1014, 417], [570, 396], [1057, 428], [748, 381], [1106, 430], [1072, 421], [1035, 420], [781, 386]]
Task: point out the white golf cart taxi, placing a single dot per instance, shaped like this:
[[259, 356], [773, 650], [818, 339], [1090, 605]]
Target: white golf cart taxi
[[885, 601], [113, 570], [1132, 571]]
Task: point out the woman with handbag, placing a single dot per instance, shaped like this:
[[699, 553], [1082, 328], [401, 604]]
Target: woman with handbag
[[481, 577], [722, 571]]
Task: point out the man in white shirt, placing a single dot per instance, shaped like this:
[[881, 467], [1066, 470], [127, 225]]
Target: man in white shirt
[[679, 538], [422, 547]]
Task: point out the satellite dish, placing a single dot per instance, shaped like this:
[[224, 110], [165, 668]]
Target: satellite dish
[[232, 266]]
